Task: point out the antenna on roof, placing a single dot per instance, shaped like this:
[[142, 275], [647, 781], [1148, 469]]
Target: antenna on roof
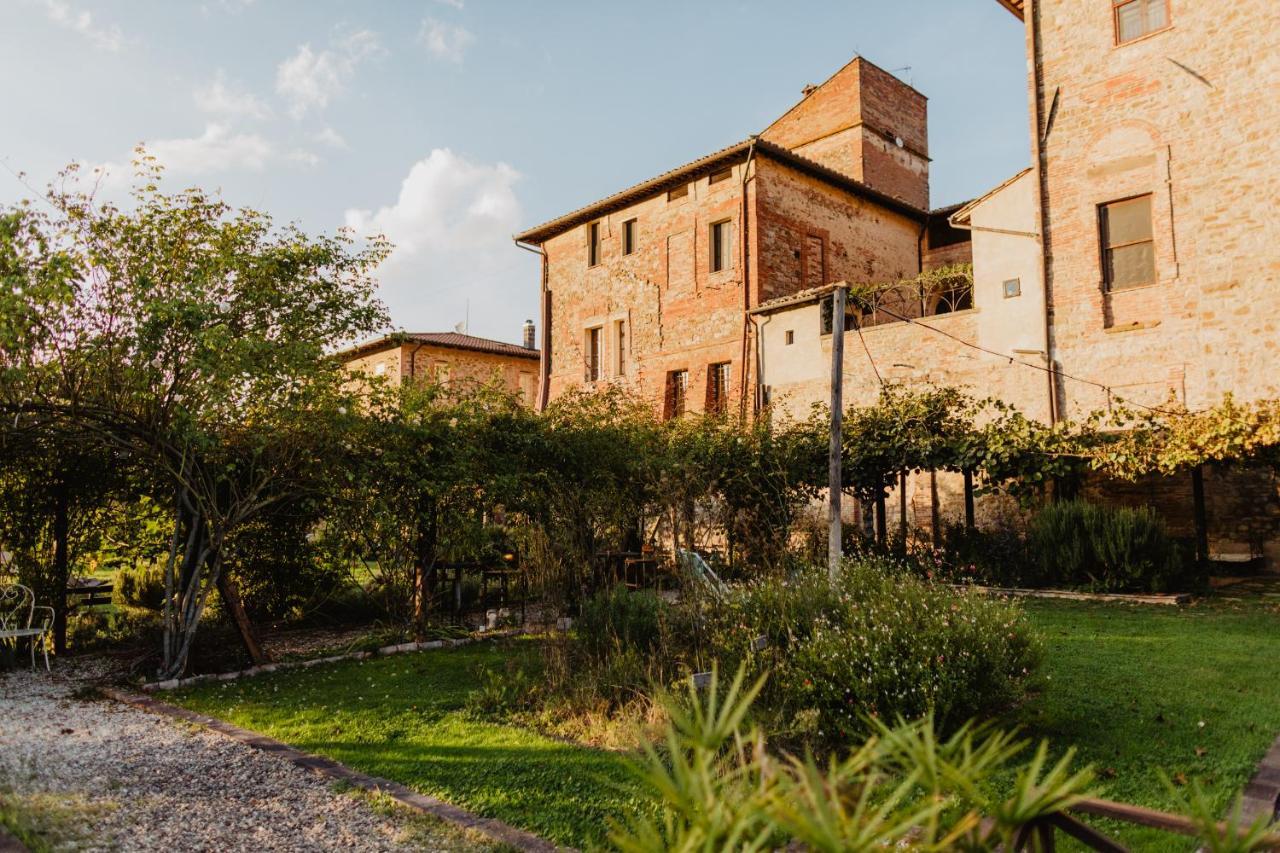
[[906, 68]]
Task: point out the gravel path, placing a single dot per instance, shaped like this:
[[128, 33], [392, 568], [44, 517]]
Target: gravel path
[[98, 775]]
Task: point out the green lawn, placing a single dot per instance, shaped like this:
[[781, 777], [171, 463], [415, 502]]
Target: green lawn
[[403, 717], [1193, 692]]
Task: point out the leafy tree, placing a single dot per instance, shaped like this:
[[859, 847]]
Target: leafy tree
[[193, 335]]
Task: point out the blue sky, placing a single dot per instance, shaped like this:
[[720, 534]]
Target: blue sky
[[451, 124]]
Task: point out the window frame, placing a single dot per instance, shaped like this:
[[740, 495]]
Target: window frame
[[719, 175], [677, 193], [789, 337], [1115, 21], [630, 230], [595, 243], [677, 404], [620, 347], [716, 263], [719, 375], [1016, 290], [593, 350], [1105, 247]]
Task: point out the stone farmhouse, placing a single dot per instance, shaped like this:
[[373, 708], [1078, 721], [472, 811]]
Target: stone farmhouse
[[449, 357], [1135, 261], [654, 286]]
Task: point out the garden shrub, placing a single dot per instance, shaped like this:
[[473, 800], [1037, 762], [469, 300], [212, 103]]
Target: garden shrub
[[994, 557], [879, 642], [140, 585], [1106, 549], [621, 621]]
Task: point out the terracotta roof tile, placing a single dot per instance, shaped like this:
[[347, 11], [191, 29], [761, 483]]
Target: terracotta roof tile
[[451, 340]]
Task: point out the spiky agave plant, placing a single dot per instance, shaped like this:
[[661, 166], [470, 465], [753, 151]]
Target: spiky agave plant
[[718, 787]]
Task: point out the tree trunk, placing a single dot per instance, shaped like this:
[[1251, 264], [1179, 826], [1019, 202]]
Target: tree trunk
[[235, 606], [968, 500], [61, 570]]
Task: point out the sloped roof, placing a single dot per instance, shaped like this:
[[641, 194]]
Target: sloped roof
[[705, 165], [1014, 6], [451, 340], [963, 211]]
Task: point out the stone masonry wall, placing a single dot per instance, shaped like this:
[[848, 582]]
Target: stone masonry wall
[[1178, 114], [450, 365]]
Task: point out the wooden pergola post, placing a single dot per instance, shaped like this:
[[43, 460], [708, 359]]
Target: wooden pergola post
[[835, 484], [1201, 515], [968, 499]]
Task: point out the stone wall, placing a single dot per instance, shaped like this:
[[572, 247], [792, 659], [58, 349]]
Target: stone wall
[[430, 363], [1179, 115]]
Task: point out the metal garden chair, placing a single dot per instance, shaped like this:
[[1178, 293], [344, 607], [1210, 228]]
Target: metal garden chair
[[18, 610]]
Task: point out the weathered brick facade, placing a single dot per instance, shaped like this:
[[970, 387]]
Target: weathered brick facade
[[844, 208], [1183, 114], [448, 358], [1188, 115]]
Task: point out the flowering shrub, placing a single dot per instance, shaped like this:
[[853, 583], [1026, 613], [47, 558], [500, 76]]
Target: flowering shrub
[[879, 642]]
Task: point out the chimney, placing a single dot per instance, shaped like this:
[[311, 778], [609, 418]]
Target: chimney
[[529, 335]]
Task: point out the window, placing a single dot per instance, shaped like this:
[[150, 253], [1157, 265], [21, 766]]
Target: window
[[1128, 250], [442, 373], [677, 392], [825, 311], [678, 192], [1137, 18], [1012, 288], [620, 347], [721, 175], [380, 369], [721, 242], [593, 354], [718, 388], [593, 244], [629, 237], [790, 337]]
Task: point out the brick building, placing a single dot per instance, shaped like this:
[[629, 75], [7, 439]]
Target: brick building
[[654, 286], [449, 357], [1153, 126]]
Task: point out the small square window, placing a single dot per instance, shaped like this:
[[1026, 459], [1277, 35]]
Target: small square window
[[1137, 18], [1012, 288], [721, 175], [791, 337], [721, 242], [678, 192], [629, 237]]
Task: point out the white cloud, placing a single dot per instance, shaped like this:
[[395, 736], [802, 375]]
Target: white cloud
[[445, 41], [303, 157], [451, 226], [331, 138], [457, 4], [223, 98], [218, 149], [308, 80], [107, 37]]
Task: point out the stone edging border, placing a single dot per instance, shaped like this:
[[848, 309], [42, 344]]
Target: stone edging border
[[175, 683], [1070, 595], [494, 829], [1262, 794]]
